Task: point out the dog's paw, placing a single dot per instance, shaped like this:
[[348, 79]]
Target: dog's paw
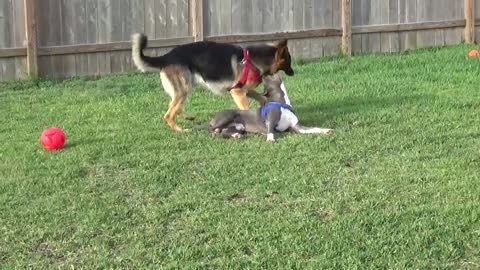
[[237, 135], [328, 132], [270, 138], [240, 128]]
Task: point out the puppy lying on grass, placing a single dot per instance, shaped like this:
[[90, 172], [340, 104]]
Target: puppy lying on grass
[[276, 116]]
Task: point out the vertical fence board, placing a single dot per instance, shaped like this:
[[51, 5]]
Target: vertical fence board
[[20, 38], [69, 33], [346, 27], [236, 20], [104, 34], [257, 18], [470, 21], [7, 65], [225, 17], [80, 36], [161, 19], [149, 19], [91, 17]]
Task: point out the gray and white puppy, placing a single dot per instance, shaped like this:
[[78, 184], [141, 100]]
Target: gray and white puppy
[[276, 116]]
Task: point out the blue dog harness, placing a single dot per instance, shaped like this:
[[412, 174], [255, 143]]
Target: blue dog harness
[[272, 105]]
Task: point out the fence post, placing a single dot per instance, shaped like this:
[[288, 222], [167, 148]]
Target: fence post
[[196, 19], [346, 28], [469, 10], [31, 38]]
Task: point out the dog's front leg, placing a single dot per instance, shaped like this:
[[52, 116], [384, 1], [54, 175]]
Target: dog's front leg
[[240, 98], [273, 117]]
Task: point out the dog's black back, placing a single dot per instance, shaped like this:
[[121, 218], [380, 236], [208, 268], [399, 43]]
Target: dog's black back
[[213, 61]]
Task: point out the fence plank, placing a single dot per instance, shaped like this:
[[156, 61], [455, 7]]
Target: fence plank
[[346, 27], [296, 45], [80, 37], [356, 12], [7, 65], [336, 16], [289, 13], [356, 43], [54, 28], [257, 18], [237, 20], [149, 19], [196, 19], [19, 38], [104, 34], [410, 40], [68, 33], [246, 15], [225, 16], [91, 14], [425, 38], [172, 18], [161, 19], [470, 21], [270, 24]]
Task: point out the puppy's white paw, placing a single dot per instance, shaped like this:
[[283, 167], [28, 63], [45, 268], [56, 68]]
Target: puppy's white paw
[[239, 127], [270, 138], [237, 136], [328, 131]]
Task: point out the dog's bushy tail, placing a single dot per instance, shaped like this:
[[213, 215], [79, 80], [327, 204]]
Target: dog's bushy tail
[[142, 62]]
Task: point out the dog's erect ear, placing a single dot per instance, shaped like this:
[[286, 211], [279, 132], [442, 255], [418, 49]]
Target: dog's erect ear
[[281, 44], [282, 60]]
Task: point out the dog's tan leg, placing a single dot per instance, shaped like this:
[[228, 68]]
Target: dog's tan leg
[[176, 81], [240, 98], [173, 108]]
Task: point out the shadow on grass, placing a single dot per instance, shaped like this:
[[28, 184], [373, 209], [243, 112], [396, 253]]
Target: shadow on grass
[[77, 143], [319, 113]]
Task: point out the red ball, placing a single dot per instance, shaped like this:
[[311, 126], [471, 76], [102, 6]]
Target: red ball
[[53, 138], [473, 53]]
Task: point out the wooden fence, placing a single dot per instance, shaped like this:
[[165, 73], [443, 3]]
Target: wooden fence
[[64, 38]]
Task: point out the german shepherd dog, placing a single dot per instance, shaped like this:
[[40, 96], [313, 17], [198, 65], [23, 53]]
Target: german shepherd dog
[[220, 67]]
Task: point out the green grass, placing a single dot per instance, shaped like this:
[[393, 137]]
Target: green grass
[[396, 187]]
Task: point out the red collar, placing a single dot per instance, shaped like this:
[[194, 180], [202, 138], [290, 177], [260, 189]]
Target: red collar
[[249, 72]]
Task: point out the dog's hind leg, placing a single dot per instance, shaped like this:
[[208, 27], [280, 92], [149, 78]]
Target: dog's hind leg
[[187, 83], [173, 108], [311, 130], [222, 120], [177, 86]]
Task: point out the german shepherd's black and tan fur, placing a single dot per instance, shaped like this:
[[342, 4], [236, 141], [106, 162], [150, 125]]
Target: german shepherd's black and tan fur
[[216, 65]]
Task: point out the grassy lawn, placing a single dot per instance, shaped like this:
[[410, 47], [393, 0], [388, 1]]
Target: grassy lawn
[[397, 186]]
